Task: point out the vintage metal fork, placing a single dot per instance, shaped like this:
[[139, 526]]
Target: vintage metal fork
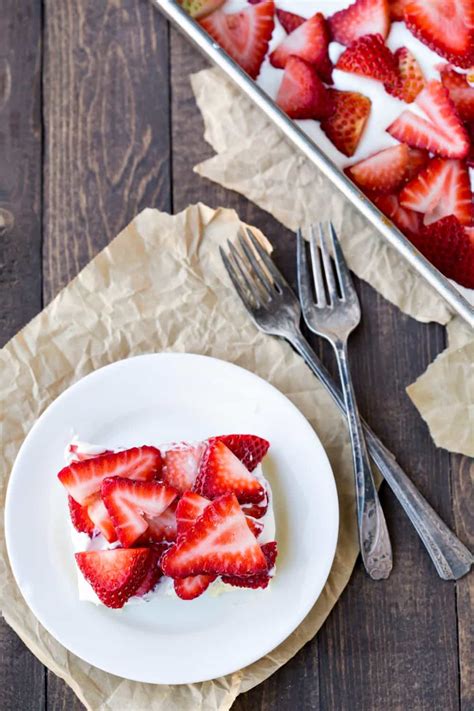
[[331, 309], [275, 310]]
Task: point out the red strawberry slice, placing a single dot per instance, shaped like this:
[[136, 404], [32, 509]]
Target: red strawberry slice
[[194, 585], [189, 508], [416, 161], [128, 502], [255, 526], [407, 221], [302, 95], [219, 543], [163, 527], [153, 575], [200, 8], [256, 510], [442, 188], [181, 465], [364, 17], [369, 57], [83, 479], [397, 9], [442, 134], [289, 21], [448, 247], [101, 519], [445, 26], [221, 472], [410, 78], [116, 574], [469, 231], [250, 449], [460, 91], [79, 517], [382, 172], [310, 42], [243, 35], [346, 124], [270, 552]]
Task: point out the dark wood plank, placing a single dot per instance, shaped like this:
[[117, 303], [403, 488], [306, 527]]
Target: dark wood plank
[[107, 129], [106, 101], [386, 645], [22, 680]]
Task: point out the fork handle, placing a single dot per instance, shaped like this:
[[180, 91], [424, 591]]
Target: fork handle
[[450, 556], [374, 539]]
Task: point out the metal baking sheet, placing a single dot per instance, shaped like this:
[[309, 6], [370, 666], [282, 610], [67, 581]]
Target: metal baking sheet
[[296, 135]]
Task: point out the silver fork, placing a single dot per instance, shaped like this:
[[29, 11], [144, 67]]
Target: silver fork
[[275, 310], [333, 314]]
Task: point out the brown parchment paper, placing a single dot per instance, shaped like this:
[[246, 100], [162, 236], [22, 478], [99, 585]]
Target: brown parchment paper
[[253, 158], [159, 286]]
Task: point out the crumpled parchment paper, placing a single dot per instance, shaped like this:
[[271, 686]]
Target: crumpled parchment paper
[[254, 159], [159, 286]]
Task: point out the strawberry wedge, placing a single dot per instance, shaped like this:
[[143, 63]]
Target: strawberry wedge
[[270, 552], [129, 501], [222, 472], [364, 17], [309, 41], [181, 465], [250, 449], [346, 124], [83, 479], [382, 172], [302, 95]]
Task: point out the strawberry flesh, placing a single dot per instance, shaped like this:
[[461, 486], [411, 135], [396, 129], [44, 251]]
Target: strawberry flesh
[[80, 517], [369, 57], [250, 449], [194, 585], [270, 552], [382, 172], [460, 91], [407, 221], [289, 21], [346, 124], [410, 78], [100, 517], [364, 17], [153, 575], [181, 465], [189, 508], [310, 42], [302, 95], [161, 528], [222, 472]]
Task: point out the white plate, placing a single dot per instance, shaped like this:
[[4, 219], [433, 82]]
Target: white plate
[[147, 400]]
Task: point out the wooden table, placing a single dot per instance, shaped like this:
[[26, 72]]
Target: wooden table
[[97, 121]]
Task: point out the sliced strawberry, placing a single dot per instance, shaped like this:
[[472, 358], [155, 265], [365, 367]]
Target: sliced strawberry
[[192, 586], [302, 95], [469, 231], [416, 161], [256, 510], [100, 517], [448, 247], [445, 26], [442, 188], [410, 78], [345, 125], [407, 221], [163, 527], [243, 35], [382, 172], [115, 575], [310, 42], [250, 449], [442, 134], [77, 456], [189, 508], [181, 465], [221, 473], [369, 57], [364, 17], [153, 574], [470, 155], [83, 479], [200, 8], [289, 21], [397, 9], [460, 91], [270, 552], [79, 517], [219, 543], [128, 502]]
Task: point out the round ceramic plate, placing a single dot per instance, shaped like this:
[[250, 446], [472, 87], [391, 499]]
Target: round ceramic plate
[[161, 398]]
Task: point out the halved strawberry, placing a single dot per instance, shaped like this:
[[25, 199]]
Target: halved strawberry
[[79, 517], [442, 188], [310, 42], [460, 91], [222, 472], [219, 543], [369, 57], [345, 125], [270, 552], [128, 502], [181, 465], [153, 575], [302, 95], [250, 449], [83, 479], [194, 585], [382, 172], [364, 17], [162, 527], [397, 8], [116, 574], [445, 26], [448, 247], [100, 517], [289, 21], [243, 35], [408, 221], [200, 8], [410, 78], [442, 134]]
